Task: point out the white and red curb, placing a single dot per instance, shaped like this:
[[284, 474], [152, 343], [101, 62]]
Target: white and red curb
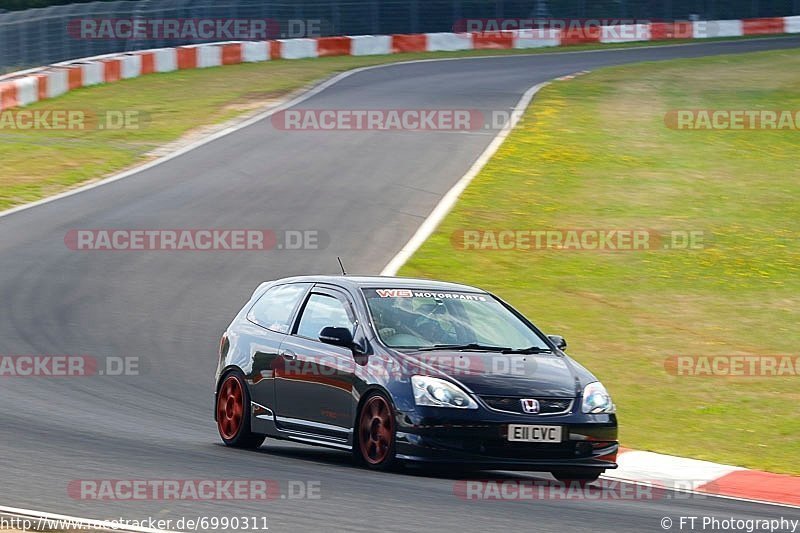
[[704, 477], [24, 88]]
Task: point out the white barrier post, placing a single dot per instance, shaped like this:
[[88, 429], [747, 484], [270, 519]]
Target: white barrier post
[[255, 51], [131, 66], [165, 60], [448, 42], [371, 45], [27, 90], [298, 48]]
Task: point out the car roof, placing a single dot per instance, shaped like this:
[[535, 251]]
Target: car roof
[[383, 282]]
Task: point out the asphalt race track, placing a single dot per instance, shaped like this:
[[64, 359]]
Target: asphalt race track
[[368, 191]]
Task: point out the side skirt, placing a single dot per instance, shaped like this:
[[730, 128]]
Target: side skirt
[[264, 421]]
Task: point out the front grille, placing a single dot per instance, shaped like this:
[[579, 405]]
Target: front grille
[[531, 450], [512, 404], [503, 449]]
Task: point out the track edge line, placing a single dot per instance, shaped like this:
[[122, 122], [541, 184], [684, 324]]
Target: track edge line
[[102, 525], [449, 200]]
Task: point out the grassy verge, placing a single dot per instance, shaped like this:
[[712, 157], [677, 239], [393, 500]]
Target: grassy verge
[[38, 163], [594, 152]]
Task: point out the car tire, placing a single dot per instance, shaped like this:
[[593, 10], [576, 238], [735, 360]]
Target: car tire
[[579, 476], [232, 413], [375, 433]]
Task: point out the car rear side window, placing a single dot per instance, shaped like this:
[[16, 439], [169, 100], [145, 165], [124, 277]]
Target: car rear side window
[[275, 308]]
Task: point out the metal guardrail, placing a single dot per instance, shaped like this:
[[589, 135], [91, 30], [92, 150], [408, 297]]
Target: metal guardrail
[[46, 35]]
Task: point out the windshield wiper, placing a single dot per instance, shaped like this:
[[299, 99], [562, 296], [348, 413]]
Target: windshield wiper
[[462, 347], [529, 350]]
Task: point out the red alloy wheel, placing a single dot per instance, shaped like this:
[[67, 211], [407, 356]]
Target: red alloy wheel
[[376, 430], [230, 408]]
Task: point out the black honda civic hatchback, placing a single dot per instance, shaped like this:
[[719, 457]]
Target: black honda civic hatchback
[[407, 370]]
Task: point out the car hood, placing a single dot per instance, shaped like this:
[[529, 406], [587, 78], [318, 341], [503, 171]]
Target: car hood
[[494, 374]]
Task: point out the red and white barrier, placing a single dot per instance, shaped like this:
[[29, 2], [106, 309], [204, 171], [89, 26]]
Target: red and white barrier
[[625, 33], [27, 87], [57, 82], [231, 53], [448, 42], [706, 29], [371, 45], [536, 38], [588, 35], [334, 46], [165, 59], [661, 31], [791, 24], [131, 66], [763, 26], [253, 52], [298, 48], [209, 56], [403, 43], [27, 90], [93, 73], [8, 95]]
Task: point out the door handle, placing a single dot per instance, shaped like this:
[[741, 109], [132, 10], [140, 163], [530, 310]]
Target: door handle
[[288, 354]]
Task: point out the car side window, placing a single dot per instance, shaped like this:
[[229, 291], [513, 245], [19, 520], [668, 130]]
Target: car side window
[[274, 309], [320, 312]]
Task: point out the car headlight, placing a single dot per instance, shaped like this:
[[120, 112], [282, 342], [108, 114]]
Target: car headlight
[[596, 399], [437, 392]]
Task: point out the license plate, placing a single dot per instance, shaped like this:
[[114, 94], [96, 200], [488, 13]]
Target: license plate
[[525, 433]]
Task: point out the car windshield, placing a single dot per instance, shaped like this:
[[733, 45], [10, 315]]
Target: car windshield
[[419, 319]]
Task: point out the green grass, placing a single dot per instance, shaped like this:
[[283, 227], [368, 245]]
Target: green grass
[[594, 152], [38, 163]]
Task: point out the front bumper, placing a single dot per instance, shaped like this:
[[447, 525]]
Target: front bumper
[[478, 438]]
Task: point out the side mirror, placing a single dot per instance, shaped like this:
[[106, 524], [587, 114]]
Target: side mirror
[[558, 340], [336, 336]]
